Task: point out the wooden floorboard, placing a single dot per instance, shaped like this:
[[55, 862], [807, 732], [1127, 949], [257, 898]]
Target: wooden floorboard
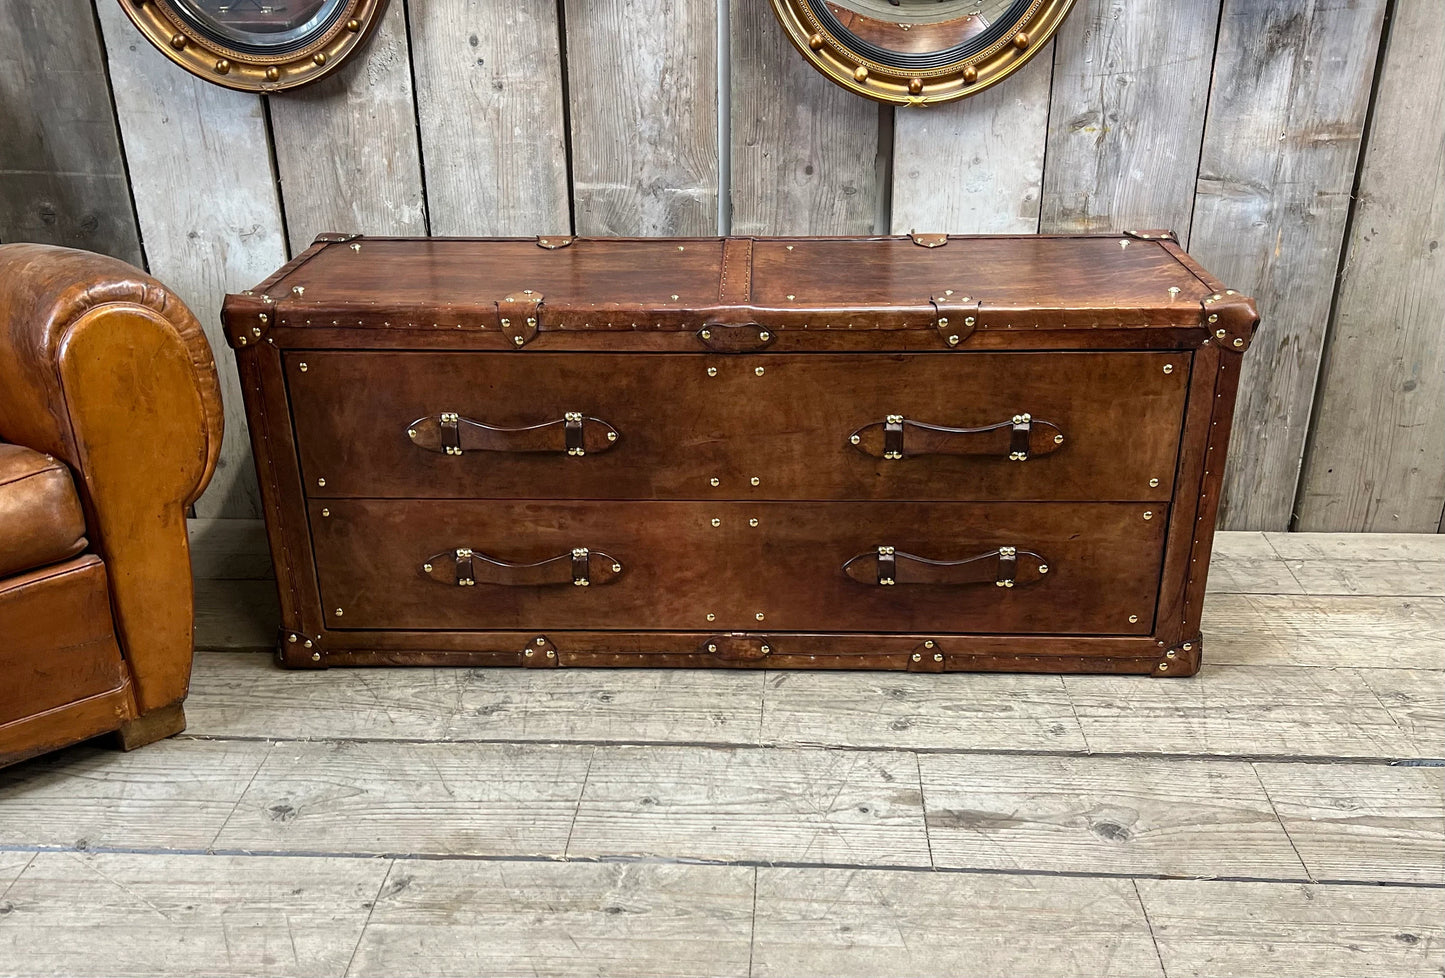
[[1290, 930], [1332, 630]]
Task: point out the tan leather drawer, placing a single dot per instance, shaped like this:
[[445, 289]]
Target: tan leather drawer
[[1077, 568], [1101, 426]]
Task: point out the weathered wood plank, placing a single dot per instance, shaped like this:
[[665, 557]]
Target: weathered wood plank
[[1206, 929], [106, 914], [1364, 563], [241, 695], [1359, 822], [1286, 114], [1245, 563], [62, 177], [1375, 459], [346, 147], [237, 616], [1297, 630], [444, 799], [975, 166], [1264, 711], [642, 85], [229, 550], [748, 804], [211, 225], [1127, 115], [11, 865], [466, 919], [173, 795], [901, 710], [804, 151], [1103, 815], [841, 923], [1415, 699], [489, 100]]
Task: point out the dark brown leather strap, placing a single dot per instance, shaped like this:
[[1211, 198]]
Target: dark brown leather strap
[[464, 567], [735, 337], [1017, 439], [737, 647], [1004, 567], [735, 285], [451, 434]]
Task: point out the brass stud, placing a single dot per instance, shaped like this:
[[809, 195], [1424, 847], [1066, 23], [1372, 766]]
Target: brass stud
[[356, 246], [1043, 568], [707, 334], [855, 439], [612, 436], [528, 653], [551, 653], [319, 58], [291, 637], [1163, 667], [1214, 318], [915, 85], [1153, 483], [1169, 368], [711, 616], [426, 568], [541, 641], [712, 371], [1238, 342], [1133, 619], [716, 521], [1058, 439], [860, 73], [938, 657], [321, 482], [791, 296], [917, 657], [758, 371], [764, 336], [315, 656], [1021, 40], [953, 341], [178, 41], [970, 74], [753, 522], [617, 568], [755, 480], [815, 42], [302, 366], [714, 481], [518, 340], [298, 290], [1188, 646], [325, 511], [674, 298], [273, 73], [338, 612], [1148, 514], [928, 644], [759, 616], [1171, 654], [1220, 333], [711, 647], [223, 66], [353, 25]]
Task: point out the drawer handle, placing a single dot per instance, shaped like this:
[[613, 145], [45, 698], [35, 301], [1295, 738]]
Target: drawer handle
[[451, 434], [1004, 567], [465, 567], [1018, 439]]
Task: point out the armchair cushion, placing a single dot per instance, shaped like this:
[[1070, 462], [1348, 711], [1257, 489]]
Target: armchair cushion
[[40, 516]]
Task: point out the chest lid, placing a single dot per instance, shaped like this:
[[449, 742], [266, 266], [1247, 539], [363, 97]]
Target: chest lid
[[735, 294]]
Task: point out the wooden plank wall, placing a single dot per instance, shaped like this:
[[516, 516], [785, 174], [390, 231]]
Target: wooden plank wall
[[1296, 149]]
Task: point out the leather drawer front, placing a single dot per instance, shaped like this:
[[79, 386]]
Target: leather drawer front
[[684, 420], [677, 567]]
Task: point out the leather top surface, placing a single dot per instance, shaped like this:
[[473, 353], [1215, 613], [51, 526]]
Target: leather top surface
[[41, 521], [1023, 272]]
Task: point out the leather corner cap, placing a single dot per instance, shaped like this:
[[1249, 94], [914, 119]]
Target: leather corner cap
[[41, 521]]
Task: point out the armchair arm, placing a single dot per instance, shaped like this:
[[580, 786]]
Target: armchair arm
[[104, 368]]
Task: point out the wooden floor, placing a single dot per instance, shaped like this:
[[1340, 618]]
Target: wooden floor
[[1281, 814]]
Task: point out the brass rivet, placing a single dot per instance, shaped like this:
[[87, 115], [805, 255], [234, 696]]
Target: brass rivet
[[943, 320], [1188, 646], [518, 340], [674, 298], [319, 58], [223, 66], [528, 653], [353, 25], [953, 341], [1058, 439], [321, 482], [815, 42], [765, 649], [716, 521], [1153, 483], [928, 644], [918, 657], [302, 366], [860, 73], [298, 290], [711, 647], [759, 616], [411, 432], [1171, 654], [1133, 619], [711, 616], [612, 436], [712, 371], [1021, 40], [938, 657], [714, 481], [325, 512], [1148, 514], [315, 656], [551, 653], [1214, 318], [617, 568], [765, 336], [273, 73], [1220, 333], [1239, 342], [752, 522], [707, 334], [541, 641], [970, 74], [855, 439], [178, 41], [307, 643], [791, 296], [1043, 568], [291, 638], [1169, 368], [758, 371], [338, 612], [426, 568], [755, 480], [1163, 667], [915, 85]]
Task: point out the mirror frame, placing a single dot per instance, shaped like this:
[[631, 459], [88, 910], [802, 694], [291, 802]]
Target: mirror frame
[[841, 63], [203, 56]]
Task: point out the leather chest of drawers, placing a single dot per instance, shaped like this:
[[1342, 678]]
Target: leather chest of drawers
[[928, 453]]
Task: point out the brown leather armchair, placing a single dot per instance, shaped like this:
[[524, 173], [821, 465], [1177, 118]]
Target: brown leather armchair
[[110, 425]]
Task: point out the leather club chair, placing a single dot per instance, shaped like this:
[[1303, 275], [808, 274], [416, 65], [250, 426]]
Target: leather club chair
[[110, 425]]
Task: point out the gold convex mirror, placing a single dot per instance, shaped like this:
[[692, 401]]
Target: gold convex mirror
[[919, 51], [256, 45]]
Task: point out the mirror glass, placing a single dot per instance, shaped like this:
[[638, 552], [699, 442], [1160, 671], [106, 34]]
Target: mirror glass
[[919, 34], [261, 26]]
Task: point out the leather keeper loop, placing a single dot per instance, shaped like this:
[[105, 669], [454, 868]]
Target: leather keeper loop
[[580, 560], [893, 437], [466, 574], [887, 567], [1008, 566], [1019, 440], [573, 433], [448, 429]]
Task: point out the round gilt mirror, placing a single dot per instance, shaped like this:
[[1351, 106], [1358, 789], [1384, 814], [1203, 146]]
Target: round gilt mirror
[[256, 45], [913, 52]]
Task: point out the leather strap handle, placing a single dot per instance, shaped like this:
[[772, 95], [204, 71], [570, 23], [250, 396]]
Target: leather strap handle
[[1003, 567], [451, 434], [465, 567], [1018, 439]]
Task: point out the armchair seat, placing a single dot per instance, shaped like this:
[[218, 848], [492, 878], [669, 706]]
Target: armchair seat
[[40, 517]]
